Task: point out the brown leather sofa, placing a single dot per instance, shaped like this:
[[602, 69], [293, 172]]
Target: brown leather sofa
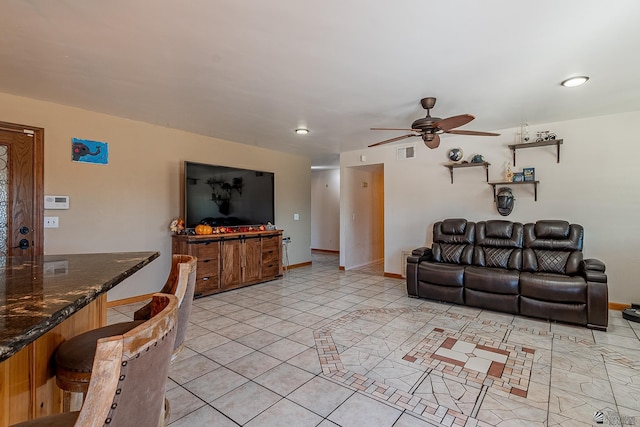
[[534, 269]]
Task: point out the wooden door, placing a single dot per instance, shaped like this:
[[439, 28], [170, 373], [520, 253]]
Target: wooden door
[[252, 259], [21, 190], [230, 263]]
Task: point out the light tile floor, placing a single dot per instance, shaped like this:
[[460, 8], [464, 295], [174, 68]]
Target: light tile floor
[[324, 347]]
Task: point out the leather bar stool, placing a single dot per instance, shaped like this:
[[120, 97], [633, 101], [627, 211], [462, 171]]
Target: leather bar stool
[[74, 357], [130, 371]]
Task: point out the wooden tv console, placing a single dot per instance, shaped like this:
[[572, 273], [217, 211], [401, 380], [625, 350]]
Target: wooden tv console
[[232, 260]]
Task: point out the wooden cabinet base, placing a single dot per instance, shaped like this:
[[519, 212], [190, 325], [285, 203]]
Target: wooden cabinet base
[[27, 381], [232, 260]]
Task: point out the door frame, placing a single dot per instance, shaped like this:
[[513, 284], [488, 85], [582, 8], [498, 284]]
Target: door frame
[[38, 181]]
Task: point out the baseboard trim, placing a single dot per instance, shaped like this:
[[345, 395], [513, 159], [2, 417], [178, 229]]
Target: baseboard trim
[[393, 275], [618, 306], [302, 264], [341, 267], [326, 251], [129, 300]]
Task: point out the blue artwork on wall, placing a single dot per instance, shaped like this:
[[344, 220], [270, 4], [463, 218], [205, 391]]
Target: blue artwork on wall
[[86, 151]]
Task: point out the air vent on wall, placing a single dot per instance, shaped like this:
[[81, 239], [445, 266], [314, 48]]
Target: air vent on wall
[[406, 152]]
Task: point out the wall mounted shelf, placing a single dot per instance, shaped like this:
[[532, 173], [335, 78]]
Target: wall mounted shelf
[[556, 142], [453, 166], [505, 183]]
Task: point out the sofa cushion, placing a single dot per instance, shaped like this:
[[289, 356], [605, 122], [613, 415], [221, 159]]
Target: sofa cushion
[[553, 235], [454, 231], [505, 233], [553, 287], [441, 293], [563, 312], [552, 247], [492, 280], [561, 262], [497, 302], [453, 241], [454, 226], [498, 257], [452, 253], [498, 244], [442, 274]]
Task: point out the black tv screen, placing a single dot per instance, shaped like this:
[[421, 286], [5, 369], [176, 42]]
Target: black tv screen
[[227, 196]]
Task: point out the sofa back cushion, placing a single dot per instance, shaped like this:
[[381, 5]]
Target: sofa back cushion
[[552, 246], [498, 244], [453, 241]]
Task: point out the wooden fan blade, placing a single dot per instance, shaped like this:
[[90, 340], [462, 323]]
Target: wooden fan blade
[[398, 138], [408, 130], [453, 122], [472, 132], [434, 143]]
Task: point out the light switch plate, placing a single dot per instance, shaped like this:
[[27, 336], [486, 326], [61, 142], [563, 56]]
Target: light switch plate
[[50, 222]]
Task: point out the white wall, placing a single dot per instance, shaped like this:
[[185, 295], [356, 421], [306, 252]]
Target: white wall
[[325, 209], [596, 184], [362, 215], [128, 204]]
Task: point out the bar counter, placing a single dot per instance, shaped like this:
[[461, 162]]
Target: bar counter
[[43, 301]]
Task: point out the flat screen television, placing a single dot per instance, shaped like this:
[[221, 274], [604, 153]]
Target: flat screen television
[[227, 196]]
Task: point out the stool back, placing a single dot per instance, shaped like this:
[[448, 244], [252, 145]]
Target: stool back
[[130, 371]]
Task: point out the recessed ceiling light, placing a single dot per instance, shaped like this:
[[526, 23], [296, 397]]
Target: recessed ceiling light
[[575, 81], [302, 131]]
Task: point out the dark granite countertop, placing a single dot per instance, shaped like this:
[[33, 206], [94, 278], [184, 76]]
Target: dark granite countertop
[[36, 294]]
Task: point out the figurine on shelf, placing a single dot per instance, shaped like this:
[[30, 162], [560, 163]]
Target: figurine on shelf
[[545, 135], [522, 134], [478, 158], [455, 155], [177, 226], [508, 173]]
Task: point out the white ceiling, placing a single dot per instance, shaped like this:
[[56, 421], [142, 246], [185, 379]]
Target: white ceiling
[[253, 71]]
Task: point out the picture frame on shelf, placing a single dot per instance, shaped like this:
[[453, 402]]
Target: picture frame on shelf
[[529, 174], [518, 177]]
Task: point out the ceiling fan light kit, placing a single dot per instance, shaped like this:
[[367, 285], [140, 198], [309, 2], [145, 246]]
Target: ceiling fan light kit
[[430, 128], [575, 81]]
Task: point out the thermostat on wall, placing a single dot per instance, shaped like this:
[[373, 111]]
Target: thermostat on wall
[[56, 202]]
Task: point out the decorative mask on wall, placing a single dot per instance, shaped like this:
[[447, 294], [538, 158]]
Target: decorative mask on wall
[[504, 201]]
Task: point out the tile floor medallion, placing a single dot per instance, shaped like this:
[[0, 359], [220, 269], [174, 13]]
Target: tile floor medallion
[[477, 364]]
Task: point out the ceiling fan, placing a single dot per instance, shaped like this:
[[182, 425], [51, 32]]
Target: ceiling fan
[[430, 128]]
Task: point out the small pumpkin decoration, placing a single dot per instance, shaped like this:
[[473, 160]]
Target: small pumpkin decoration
[[203, 229]]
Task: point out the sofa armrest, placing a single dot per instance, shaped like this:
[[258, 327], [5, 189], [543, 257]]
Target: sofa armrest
[[413, 260], [594, 265], [421, 251], [594, 270], [597, 304], [419, 254]]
